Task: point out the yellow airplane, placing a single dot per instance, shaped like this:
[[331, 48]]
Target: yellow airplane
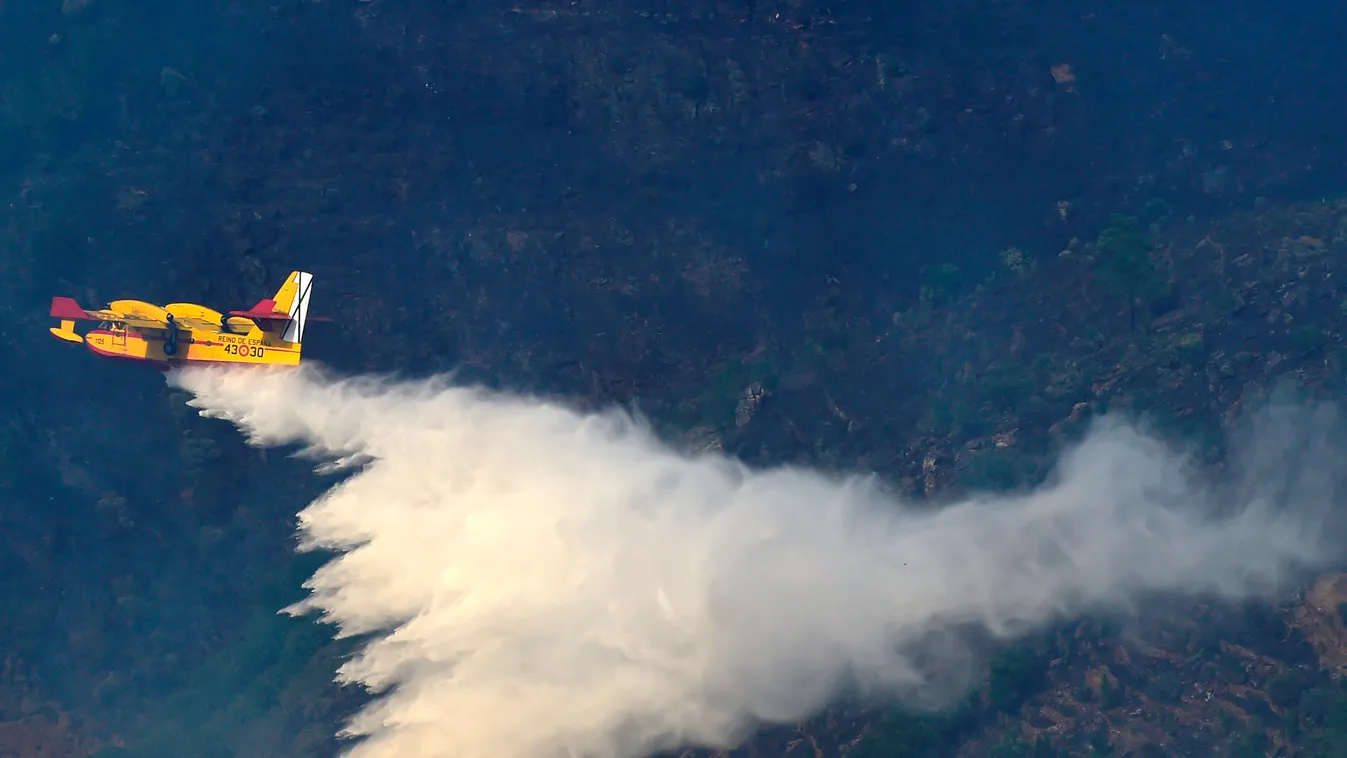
[[270, 333]]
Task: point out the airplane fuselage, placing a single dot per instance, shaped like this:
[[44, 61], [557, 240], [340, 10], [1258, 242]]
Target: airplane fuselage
[[112, 340], [268, 334]]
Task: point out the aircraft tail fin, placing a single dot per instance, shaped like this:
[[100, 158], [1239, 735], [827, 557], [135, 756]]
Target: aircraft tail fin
[[66, 331], [293, 299], [68, 311], [287, 311]]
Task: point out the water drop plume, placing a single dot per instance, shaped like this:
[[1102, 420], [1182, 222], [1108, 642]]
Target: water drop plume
[[538, 582]]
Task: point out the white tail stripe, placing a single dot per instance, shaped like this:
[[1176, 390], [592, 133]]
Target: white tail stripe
[[299, 308]]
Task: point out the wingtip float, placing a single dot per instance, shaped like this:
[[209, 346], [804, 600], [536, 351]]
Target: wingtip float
[[270, 333]]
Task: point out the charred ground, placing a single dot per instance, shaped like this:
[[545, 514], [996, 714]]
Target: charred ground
[[799, 232]]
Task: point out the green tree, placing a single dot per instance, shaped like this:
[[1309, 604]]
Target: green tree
[[1284, 689], [1012, 746], [898, 734], [1100, 744], [999, 469], [943, 283], [1250, 745], [1015, 674], [1110, 696], [1125, 265]]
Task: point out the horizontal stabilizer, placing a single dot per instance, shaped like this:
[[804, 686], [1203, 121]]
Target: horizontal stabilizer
[[265, 309], [265, 315], [256, 314], [66, 308]]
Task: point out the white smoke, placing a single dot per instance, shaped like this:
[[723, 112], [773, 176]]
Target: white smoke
[[541, 582]]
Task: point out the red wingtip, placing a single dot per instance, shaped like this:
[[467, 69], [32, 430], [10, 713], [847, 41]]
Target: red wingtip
[[66, 308]]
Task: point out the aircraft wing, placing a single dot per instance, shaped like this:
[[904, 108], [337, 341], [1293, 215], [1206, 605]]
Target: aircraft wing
[[137, 322], [67, 309], [199, 324]]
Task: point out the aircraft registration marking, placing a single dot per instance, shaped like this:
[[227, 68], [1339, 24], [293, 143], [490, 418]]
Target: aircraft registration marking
[[251, 351]]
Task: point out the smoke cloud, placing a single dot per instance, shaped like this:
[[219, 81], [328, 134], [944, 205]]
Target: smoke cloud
[[539, 582]]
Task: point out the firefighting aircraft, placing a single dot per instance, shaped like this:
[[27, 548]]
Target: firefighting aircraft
[[270, 333]]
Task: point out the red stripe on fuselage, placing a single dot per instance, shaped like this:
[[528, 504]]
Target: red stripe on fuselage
[[163, 365]]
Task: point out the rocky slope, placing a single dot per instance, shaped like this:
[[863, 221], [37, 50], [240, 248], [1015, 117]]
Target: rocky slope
[[714, 208]]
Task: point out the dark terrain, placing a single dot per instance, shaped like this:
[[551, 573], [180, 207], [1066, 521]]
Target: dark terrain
[[829, 233]]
